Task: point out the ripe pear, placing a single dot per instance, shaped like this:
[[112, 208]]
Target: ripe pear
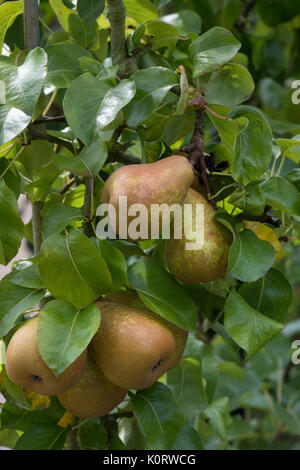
[[131, 299], [208, 263], [26, 368], [133, 347], [93, 396], [163, 182]]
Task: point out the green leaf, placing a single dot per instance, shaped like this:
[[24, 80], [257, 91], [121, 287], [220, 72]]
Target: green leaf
[[8, 13], [140, 10], [42, 437], [23, 86], [185, 21], [282, 195], [161, 293], [250, 258], [162, 34], [188, 439], [274, 12], [251, 199], [11, 226], [58, 217], [88, 162], [159, 416], [27, 276], [61, 11], [228, 129], [218, 415], [248, 328], [186, 383], [72, 269], [152, 85], [230, 86], [90, 10], [64, 64], [184, 94], [293, 176], [116, 263], [272, 295], [212, 49], [81, 105], [290, 148], [14, 301], [65, 332], [115, 100], [253, 146], [84, 34], [92, 435]]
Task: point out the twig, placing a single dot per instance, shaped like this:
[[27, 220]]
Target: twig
[[87, 206], [50, 102], [46, 119], [67, 186], [117, 16], [241, 21], [11, 162]]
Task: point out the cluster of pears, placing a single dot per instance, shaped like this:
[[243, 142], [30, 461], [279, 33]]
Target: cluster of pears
[[172, 181], [131, 350]]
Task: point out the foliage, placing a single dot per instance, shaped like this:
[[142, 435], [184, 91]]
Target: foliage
[[69, 116]]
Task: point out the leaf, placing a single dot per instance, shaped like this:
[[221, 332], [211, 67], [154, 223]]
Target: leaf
[[81, 105], [90, 10], [185, 21], [212, 49], [11, 226], [8, 13], [228, 129], [140, 10], [159, 416], [253, 146], [290, 148], [64, 63], [14, 301], [57, 218], [92, 435], [161, 293], [248, 328], [184, 93], [84, 34], [64, 332], [42, 437], [72, 269], [61, 11], [265, 233], [186, 383], [282, 195], [274, 12], [219, 417], [251, 199], [230, 86], [272, 295], [115, 100], [116, 263], [23, 86], [249, 257], [28, 276], [152, 85], [188, 439], [88, 162], [162, 34]]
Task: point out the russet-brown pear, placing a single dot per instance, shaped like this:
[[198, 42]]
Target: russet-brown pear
[[208, 263], [163, 182], [133, 347], [93, 396], [26, 368]]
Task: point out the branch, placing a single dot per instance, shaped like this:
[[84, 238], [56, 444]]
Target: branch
[[241, 21], [36, 134], [117, 16], [31, 39], [123, 157], [87, 206]]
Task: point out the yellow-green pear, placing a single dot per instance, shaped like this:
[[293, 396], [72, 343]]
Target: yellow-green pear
[[131, 299], [26, 368], [133, 347], [208, 263], [93, 396], [163, 182]]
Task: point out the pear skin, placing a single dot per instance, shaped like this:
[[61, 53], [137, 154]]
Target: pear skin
[[208, 263], [131, 299], [93, 396], [163, 182], [26, 368], [131, 347]]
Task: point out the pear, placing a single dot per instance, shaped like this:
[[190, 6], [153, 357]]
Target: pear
[[93, 396], [133, 347], [208, 263], [163, 182], [26, 368], [131, 299]]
